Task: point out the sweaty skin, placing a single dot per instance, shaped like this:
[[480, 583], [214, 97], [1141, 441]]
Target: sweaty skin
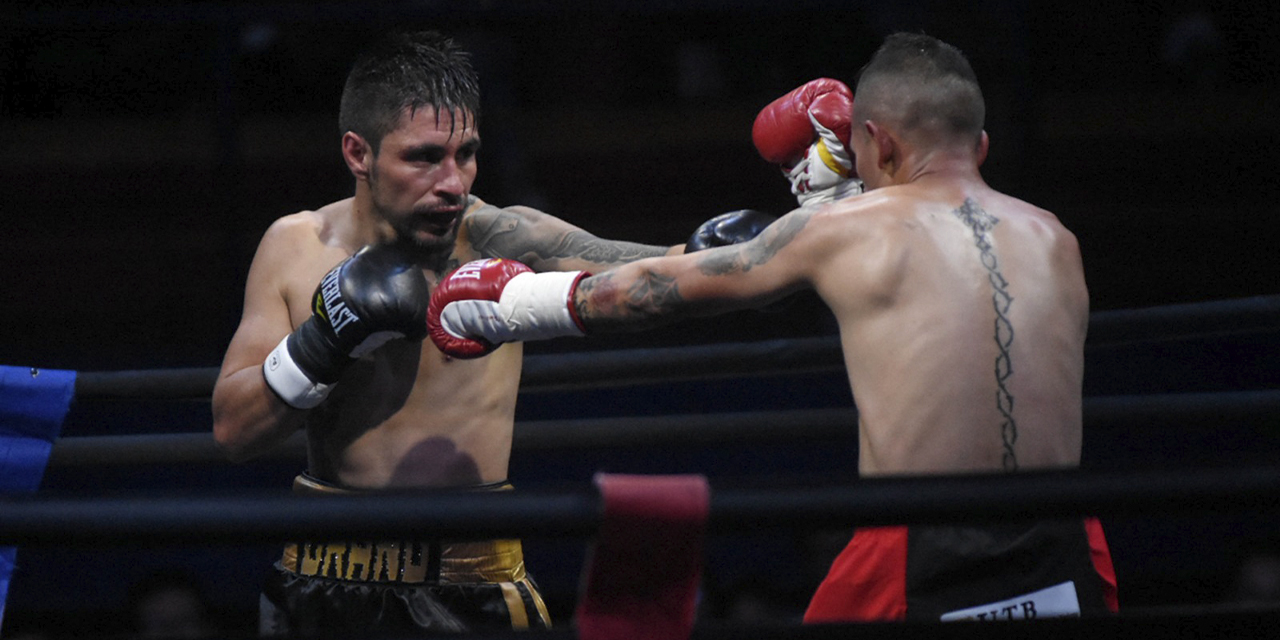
[[404, 415], [962, 311]]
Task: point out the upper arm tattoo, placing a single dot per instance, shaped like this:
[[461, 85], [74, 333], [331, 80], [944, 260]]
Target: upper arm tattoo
[[980, 222], [498, 233], [584, 246], [740, 258]]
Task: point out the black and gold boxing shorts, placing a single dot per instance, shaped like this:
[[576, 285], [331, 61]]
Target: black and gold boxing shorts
[[389, 586]]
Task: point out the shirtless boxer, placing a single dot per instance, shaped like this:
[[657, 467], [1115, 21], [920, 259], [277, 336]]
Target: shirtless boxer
[[330, 341], [962, 315]]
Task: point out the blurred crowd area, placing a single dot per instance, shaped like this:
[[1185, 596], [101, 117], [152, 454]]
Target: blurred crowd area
[[176, 132], [151, 143]]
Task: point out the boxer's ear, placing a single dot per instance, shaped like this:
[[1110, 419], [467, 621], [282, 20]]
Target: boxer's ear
[[358, 155], [884, 145], [984, 144]]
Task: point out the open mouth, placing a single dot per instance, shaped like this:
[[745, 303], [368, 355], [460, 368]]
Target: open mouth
[[439, 223], [442, 226]]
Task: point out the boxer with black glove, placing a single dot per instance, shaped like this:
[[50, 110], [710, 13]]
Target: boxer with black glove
[[806, 132], [729, 228], [374, 296]]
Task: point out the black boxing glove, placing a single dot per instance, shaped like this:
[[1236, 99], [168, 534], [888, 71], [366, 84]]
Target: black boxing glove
[[728, 228], [374, 296]]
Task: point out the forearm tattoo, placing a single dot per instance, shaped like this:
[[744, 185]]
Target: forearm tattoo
[[497, 233], [740, 258], [602, 307], [980, 222]]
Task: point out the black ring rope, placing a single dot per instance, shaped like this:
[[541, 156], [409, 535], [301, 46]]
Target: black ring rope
[[764, 358], [596, 369], [262, 517], [1179, 321], [194, 383], [1183, 624], [1212, 409], [1236, 623], [592, 433]]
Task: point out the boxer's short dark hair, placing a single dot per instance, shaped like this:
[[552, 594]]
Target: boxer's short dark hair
[[408, 70]]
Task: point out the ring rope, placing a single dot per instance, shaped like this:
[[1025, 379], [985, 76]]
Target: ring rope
[[1129, 411], [599, 369], [1181, 321], [1184, 622], [577, 511]]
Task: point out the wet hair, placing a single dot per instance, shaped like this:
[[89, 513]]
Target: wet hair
[[408, 70], [924, 86]]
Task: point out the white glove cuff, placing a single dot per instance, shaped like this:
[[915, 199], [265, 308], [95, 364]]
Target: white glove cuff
[[536, 306], [831, 149], [822, 175], [289, 382], [819, 197]]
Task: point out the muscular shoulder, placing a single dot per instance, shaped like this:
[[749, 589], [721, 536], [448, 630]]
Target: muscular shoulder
[[1040, 225], [295, 227], [297, 246], [1058, 242], [862, 247], [1049, 224], [483, 222], [869, 222], [486, 223], [291, 234], [328, 226]]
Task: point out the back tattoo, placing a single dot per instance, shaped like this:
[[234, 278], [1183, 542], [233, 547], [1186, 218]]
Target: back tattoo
[[980, 222]]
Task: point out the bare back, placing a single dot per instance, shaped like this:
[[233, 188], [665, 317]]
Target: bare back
[[962, 314]]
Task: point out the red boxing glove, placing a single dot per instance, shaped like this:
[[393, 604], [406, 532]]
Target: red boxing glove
[[485, 303], [807, 133]]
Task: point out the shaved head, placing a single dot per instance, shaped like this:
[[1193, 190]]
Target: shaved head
[[924, 88]]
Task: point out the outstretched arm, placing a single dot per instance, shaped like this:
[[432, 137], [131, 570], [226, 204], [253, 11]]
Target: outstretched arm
[[547, 243], [653, 292], [488, 302]]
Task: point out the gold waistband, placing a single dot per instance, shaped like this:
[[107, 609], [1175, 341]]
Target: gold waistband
[[409, 561], [432, 561]]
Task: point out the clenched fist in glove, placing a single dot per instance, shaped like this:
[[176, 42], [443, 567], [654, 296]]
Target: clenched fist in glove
[[728, 228], [485, 303], [374, 296], [807, 132]]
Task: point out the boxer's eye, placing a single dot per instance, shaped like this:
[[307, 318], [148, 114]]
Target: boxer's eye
[[432, 154], [468, 151]]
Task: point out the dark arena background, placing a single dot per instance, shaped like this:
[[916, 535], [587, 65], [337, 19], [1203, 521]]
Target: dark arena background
[[148, 145]]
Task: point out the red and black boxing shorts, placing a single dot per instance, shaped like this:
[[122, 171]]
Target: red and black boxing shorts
[[1005, 571]]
